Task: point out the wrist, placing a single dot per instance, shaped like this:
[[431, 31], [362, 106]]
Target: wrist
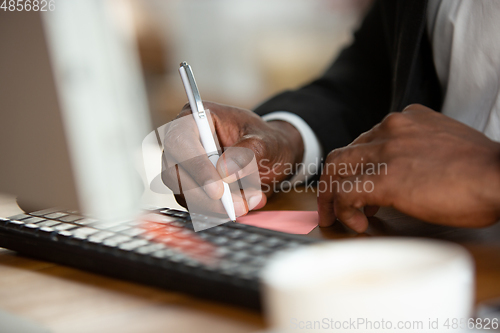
[[292, 139]]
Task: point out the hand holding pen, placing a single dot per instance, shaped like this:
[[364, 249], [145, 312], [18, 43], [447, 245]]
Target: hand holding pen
[[271, 143]]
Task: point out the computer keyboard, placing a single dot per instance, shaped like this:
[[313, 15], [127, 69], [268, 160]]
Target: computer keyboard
[[221, 263]]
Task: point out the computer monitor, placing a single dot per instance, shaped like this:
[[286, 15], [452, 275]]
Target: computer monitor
[[73, 110]]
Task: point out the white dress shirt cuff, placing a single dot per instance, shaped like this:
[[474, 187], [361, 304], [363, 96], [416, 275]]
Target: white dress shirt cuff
[[313, 152]]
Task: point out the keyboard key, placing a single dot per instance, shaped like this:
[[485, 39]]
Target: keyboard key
[[178, 257], [165, 254], [219, 240], [177, 224], [132, 232], [19, 217], [229, 267], [83, 232], [101, 236], [238, 245], [240, 256], [223, 251], [133, 223], [31, 226], [219, 230], [48, 223], [203, 225], [150, 226], [133, 244], [203, 235], [176, 213], [65, 226], [64, 234], [189, 225], [258, 261], [292, 245], [166, 219], [160, 254], [34, 220], [148, 235], [114, 241], [273, 242], [248, 273], [55, 216], [46, 230], [198, 217], [150, 248], [15, 223], [192, 262], [260, 250], [70, 218], [253, 238], [86, 221], [235, 234], [118, 228], [45, 212], [185, 233]]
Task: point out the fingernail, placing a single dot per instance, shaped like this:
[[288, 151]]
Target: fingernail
[[213, 189], [254, 201]]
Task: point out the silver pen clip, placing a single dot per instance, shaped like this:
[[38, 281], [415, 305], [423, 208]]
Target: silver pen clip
[[194, 89]]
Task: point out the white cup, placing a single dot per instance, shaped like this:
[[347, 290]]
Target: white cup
[[370, 285]]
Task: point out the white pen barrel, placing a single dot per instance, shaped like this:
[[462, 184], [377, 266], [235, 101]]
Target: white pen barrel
[[207, 140], [206, 135]]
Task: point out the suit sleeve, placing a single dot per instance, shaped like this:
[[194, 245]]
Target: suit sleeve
[[352, 95]]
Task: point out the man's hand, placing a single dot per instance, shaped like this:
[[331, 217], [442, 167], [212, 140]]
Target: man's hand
[[424, 164], [275, 144]]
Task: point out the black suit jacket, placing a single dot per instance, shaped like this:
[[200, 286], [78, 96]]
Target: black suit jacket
[[388, 66]]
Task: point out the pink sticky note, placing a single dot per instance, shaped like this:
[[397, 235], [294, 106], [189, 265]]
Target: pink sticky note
[[290, 221]]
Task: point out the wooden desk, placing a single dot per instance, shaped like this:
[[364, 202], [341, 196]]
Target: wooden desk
[[68, 300]]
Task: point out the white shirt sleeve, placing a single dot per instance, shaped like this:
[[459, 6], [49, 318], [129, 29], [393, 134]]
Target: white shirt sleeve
[[313, 152]]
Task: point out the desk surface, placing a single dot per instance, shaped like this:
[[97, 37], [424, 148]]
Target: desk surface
[[66, 299]]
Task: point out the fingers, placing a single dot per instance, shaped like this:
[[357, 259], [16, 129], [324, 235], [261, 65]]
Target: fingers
[[191, 196], [182, 145], [240, 160], [353, 160], [326, 211], [257, 201], [351, 216], [254, 197], [344, 199], [205, 175], [182, 139]]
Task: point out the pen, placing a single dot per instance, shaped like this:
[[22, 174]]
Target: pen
[[207, 139]]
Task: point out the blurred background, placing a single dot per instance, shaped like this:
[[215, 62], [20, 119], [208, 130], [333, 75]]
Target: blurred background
[[241, 51]]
